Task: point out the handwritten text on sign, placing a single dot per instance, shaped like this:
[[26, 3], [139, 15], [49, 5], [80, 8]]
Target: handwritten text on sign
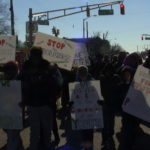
[[56, 50], [81, 56], [55, 44], [137, 101], [144, 83], [7, 48], [10, 112], [86, 113], [2, 42]]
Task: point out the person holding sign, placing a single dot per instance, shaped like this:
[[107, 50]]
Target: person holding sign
[[14, 141], [87, 134], [109, 83], [147, 61], [130, 124], [41, 85]]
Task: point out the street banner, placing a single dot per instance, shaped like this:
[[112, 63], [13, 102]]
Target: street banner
[[7, 48], [81, 56], [56, 50], [10, 112], [86, 113], [137, 101]]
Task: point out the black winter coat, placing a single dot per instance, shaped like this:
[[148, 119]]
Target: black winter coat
[[40, 84]]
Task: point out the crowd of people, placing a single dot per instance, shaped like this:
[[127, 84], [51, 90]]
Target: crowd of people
[[43, 83]]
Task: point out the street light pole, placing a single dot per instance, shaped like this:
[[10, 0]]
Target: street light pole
[[84, 27], [12, 18], [87, 30], [30, 27]]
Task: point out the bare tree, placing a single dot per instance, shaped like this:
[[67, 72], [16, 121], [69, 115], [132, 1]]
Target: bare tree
[[103, 36], [4, 18], [97, 45]]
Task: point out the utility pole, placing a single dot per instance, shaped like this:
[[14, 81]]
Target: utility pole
[[12, 18], [30, 27]]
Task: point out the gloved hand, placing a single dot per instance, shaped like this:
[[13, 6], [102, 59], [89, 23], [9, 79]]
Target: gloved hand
[[100, 102], [71, 103]]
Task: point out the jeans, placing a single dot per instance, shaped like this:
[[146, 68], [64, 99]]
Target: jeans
[[41, 124]]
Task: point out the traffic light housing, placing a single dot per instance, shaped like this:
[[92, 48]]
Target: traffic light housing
[[142, 37], [58, 31], [54, 30], [88, 11], [122, 9]]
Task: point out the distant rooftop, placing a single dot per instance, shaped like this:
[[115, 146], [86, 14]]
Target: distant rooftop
[[80, 40]]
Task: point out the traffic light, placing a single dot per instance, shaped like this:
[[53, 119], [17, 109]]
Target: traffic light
[[141, 37], [58, 31], [54, 30], [99, 12], [88, 11], [122, 9]]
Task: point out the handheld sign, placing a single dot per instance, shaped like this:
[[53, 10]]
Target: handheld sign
[[86, 113], [10, 112], [81, 56], [7, 48], [56, 50], [137, 101]]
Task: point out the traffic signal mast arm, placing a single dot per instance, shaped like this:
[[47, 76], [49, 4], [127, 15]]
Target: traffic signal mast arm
[[46, 16], [82, 9], [145, 34]]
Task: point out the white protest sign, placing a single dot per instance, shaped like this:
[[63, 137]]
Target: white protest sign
[[56, 50], [137, 101], [7, 48], [81, 56], [86, 113], [10, 112]]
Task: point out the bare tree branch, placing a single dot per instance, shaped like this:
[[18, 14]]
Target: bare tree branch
[[4, 18]]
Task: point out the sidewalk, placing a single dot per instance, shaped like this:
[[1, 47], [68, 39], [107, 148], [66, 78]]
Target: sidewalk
[[72, 138]]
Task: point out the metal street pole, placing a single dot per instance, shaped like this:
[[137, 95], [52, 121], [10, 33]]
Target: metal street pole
[[137, 48], [12, 18], [30, 27], [87, 32], [83, 29]]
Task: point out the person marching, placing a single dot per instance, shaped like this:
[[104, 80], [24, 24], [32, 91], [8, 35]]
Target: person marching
[[41, 85]]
